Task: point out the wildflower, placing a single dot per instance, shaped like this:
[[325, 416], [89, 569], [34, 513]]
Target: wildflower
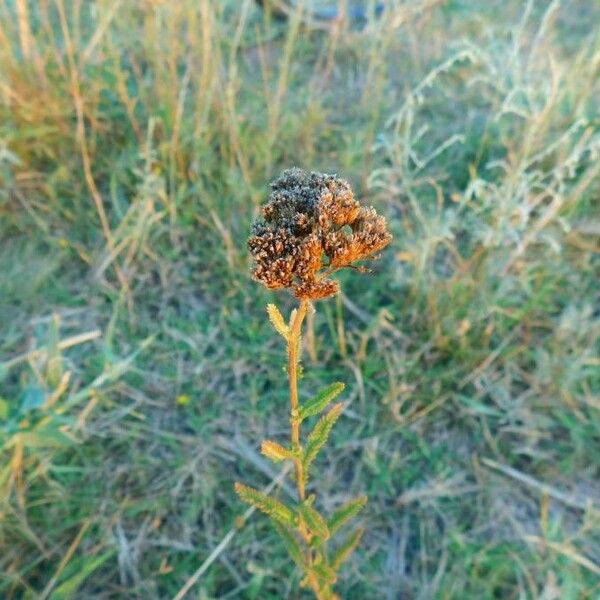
[[311, 226]]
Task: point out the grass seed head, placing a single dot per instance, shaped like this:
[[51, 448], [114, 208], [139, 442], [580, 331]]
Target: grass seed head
[[311, 226]]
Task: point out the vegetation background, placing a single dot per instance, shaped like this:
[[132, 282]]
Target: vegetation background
[[139, 372]]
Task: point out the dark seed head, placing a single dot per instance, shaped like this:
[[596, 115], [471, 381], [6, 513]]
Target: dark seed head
[[310, 217]]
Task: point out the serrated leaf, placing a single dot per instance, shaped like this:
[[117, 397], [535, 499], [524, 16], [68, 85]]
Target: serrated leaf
[[267, 505], [277, 321], [325, 574], [291, 543], [314, 521], [346, 549], [346, 512], [320, 402], [276, 452], [318, 436]]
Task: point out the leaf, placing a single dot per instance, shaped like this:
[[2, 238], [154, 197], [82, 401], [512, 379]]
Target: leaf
[[4, 406], [318, 436], [32, 397], [255, 587], [269, 506], [324, 573], [293, 316], [319, 402], [276, 452], [291, 543], [68, 588], [277, 321], [343, 514], [315, 522], [479, 407], [346, 549], [48, 438]]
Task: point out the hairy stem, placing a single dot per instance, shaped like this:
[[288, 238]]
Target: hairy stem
[[293, 347], [293, 360]]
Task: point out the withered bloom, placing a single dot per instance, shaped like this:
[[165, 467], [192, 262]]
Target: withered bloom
[[312, 226]]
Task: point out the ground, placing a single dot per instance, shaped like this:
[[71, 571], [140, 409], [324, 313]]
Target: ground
[[139, 371]]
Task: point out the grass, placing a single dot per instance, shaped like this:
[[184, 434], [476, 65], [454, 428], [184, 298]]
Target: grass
[[136, 142]]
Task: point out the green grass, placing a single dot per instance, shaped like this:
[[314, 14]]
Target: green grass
[[474, 127]]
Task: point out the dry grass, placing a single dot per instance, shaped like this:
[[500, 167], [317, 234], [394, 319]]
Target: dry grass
[[136, 140]]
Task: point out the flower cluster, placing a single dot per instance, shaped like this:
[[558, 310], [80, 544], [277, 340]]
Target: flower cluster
[[312, 226]]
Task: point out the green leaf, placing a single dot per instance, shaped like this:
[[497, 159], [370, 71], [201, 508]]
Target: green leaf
[[314, 521], [255, 587], [346, 549], [48, 438], [346, 512], [277, 321], [318, 436], [325, 574], [4, 406], [269, 506], [276, 452], [319, 402], [479, 407], [291, 543], [69, 587], [32, 397]]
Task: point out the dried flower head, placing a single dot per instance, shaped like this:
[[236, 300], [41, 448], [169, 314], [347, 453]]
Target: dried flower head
[[312, 226]]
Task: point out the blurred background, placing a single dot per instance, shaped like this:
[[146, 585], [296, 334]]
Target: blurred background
[[138, 371]]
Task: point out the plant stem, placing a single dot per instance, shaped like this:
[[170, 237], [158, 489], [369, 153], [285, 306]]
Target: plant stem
[[293, 360]]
